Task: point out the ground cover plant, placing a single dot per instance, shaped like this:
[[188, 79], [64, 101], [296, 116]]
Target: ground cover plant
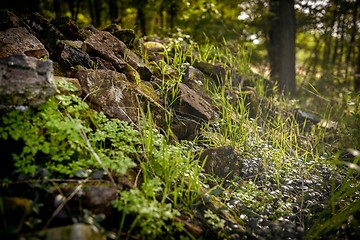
[[298, 179]]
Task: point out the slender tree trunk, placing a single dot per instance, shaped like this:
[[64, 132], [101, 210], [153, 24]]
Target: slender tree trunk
[[74, 6], [354, 30], [57, 8], [141, 20], [341, 53], [282, 45], [328, 38], [173, 14], [113, 10], [97, 13], [357, 74], [91, 10]]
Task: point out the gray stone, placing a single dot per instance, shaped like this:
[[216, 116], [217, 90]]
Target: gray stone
[[25, 80], [19, 40]]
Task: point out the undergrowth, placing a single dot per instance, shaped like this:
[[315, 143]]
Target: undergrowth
[[292, 180]]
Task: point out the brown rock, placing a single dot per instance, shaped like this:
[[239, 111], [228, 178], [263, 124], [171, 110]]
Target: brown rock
[[44, 31], [71, 56], [110, 92], [9, 20], [74, 82], [220, 73], [98, 198], [197, 80], [19, 40], [222, 162], [185, 129], [125, 35], [108, 47], [154, 50], [67, 27], [78, 231], [193, 105]]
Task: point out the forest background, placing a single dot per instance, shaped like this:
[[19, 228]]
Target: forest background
[[311, 49], [318, 40]]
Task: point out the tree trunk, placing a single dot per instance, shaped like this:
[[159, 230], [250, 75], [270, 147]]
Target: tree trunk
[[281, 46], [113, 10], [354, 30], [357, 74], [141, 20], [328, 46]]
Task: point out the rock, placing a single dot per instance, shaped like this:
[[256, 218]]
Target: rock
[[74, 44], [193, 105], [103, 64], [108, 47], [154, 50], [67, 27], [86, 32], [98, 198], [112, 28], [185, 129], [216, 72], [19, 40], [162, 70], [302, 116], [14, 212], [197, 80], [78, 231], [44, 31], [25, 80], [74, 82], [221, 162], [220, 73], [9, 20], [110, 92], [72, 56], [125, 35]]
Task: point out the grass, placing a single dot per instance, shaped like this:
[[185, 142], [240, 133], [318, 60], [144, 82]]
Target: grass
[[292, 181]]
